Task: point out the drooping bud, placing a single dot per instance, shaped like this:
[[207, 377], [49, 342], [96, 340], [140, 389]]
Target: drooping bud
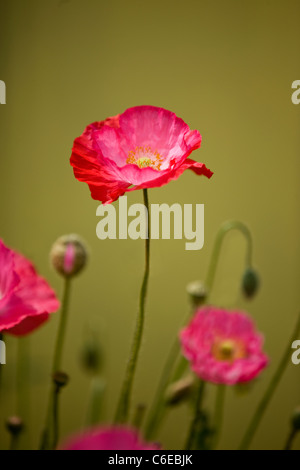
[[180, 391], [197, 292], [69, 255], [14, 425], [250, 283], [296, 419], [91, 354]]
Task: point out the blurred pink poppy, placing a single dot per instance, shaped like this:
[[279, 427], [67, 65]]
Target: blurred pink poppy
[[112, 438], [26, 299], [223, 347]]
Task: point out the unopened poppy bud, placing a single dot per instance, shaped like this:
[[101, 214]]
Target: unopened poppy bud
[[250, 282], [69, 255], [61, 379], [296, 419], [180, 391], [14, 425], [91, 355], [197, 292]]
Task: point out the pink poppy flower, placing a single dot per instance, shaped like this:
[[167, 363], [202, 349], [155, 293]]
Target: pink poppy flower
[[145, 147], [25, 298], [223, 347], [113, 438]]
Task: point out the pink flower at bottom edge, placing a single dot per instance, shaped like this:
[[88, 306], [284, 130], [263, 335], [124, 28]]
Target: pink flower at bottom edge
[[110, 438], [144, 147], [26, 299], [223, 347]]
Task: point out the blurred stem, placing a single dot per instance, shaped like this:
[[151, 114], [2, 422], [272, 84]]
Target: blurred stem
[[224, 229], [14, 442], [98, 386], [50, 417], [197, 416], [55, 418], [139, 417], [62, 327], [257, 418], [125, 397], [219, 414], [291, 439], [158, 407], [22, 382]]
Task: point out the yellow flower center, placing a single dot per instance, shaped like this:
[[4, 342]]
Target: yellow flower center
[[228, 350], [144, 157]]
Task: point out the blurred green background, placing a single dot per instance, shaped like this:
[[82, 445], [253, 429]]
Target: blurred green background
[[225, 67]]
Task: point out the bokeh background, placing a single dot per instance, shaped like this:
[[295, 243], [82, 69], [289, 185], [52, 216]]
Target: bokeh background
[[225, 67]]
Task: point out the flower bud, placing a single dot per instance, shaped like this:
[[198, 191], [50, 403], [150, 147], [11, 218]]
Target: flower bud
[[197, 292], [60, 379], [14, 425], [250, 282], [91, 355], [180, 391], [296, 419], [69, 255]]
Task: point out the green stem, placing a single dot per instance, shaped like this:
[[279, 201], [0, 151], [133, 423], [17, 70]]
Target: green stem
[[291, 439], [158, 405], [22, 382], [256, 420], [14, 442], [50, 418], [219, 414], [55, 418], [225, 228], [125, 397], [95, 405], [62, 327], [139, 417], [197, 415]]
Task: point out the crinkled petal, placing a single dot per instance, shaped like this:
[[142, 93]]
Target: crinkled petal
[[100, 155]]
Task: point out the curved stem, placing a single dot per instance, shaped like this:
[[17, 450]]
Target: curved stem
[[256, 420], [197, 416], [50, 417], [219, 414], [225, 228], [125, 397]]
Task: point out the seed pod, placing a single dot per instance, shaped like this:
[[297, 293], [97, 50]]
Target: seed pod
[[250, 283], [197, 292]]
